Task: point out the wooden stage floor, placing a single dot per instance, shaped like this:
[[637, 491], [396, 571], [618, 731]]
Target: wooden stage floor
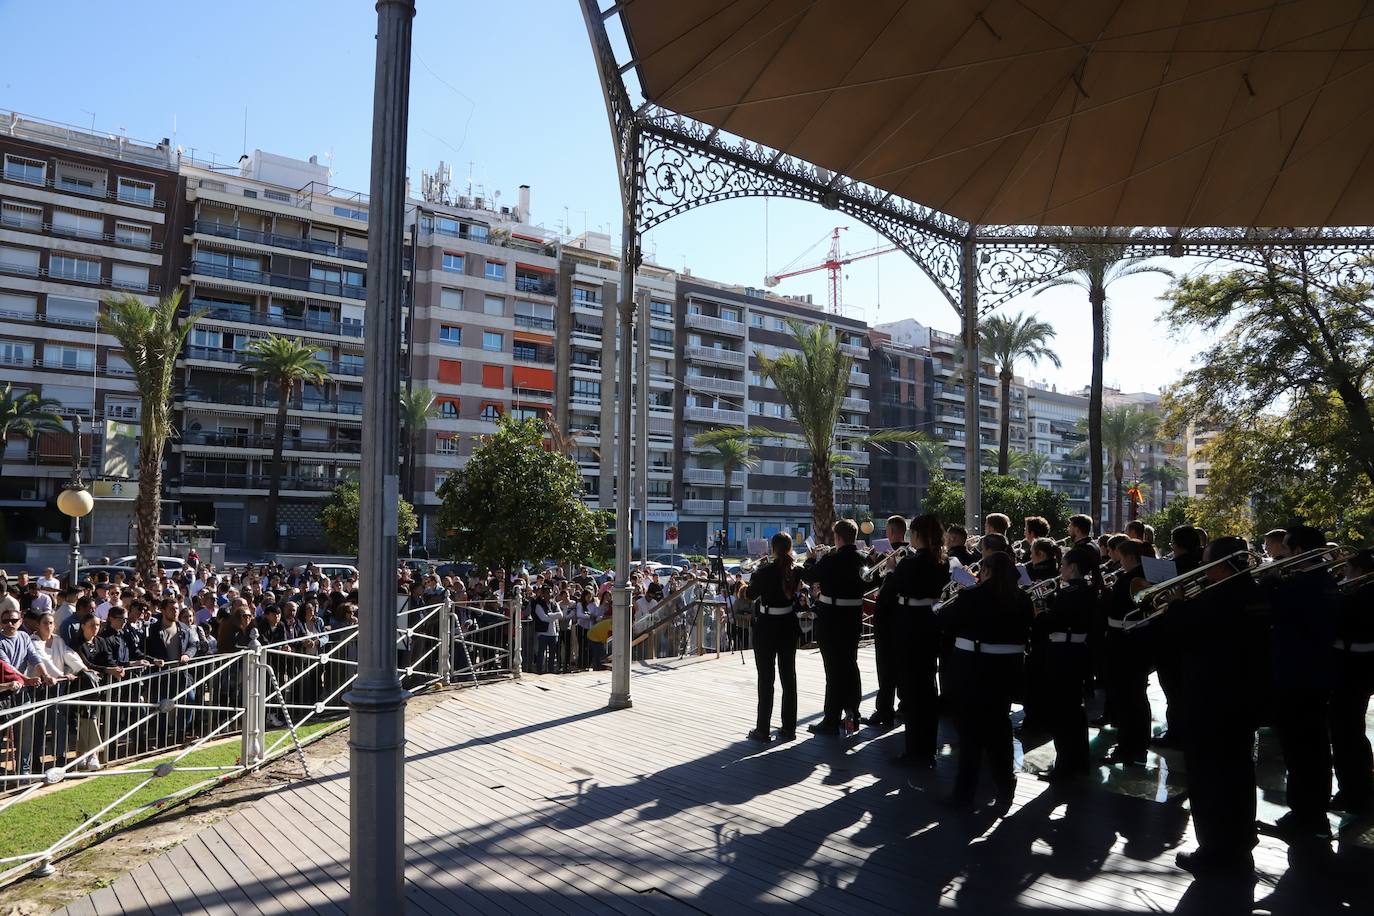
[[530, 798]]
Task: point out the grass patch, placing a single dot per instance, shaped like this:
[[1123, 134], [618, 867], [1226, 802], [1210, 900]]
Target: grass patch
[[36, 823]]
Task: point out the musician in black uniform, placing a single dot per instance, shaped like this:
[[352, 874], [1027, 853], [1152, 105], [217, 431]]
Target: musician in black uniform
[[775, 630], [916, 583], [885, 646], [1306, 625], [1165, 636], [838, 571], [1221, 641], [1042, 562], [1350, 750], [1127, 662], [1033, 528], [956, 545], [1060, 638], [990, 623], [1081, 531]]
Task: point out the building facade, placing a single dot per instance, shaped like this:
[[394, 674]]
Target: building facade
[[901, 389], [1053, 421]]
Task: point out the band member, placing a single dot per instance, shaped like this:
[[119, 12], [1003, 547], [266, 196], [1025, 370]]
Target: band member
[[1044, 556], [1350, 750], [1135, 530], [885, 647], [1165, 638], [1274, 547], [1222, 647], [994, 543], [916, 583], [1186, 545], [1128, 662], [1061, 634], [996, 523], [1033, 528], [956, 545], [775, 632], [1080, 529], [1306, 624], [990, 622], [839, 623]]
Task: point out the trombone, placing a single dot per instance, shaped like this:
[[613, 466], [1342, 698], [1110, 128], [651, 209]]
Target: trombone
[[1349, 586], [1154, 600]]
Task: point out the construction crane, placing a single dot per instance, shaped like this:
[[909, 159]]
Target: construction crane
[[833, 262]]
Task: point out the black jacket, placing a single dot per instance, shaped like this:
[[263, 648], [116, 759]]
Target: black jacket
[[978, 615], [157, 641], [839, 573], [769, 587], [919, 575]]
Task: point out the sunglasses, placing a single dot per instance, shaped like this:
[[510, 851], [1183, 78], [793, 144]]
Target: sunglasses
[[10, 620]]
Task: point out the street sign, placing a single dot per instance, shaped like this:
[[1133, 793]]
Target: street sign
[[670, 536]]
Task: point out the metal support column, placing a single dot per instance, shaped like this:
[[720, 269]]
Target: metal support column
[[642, 409], [377, 702], [973, 451]]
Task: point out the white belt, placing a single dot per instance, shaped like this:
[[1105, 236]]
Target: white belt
[[778, 611], [1069, 637], [842, 602], [1115, 624], [988, 648], [1354, 646], [915, 602]]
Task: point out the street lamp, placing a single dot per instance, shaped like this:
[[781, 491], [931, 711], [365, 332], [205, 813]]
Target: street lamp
[[75, 501]]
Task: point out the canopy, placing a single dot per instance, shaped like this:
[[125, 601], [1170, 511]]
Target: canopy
[[1246, 113]]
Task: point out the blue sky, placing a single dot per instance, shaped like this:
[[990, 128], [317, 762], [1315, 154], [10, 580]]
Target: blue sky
[[504, 92]]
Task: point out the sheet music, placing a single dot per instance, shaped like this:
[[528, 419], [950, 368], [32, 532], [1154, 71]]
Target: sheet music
[[1023, 578], [959, 573], [882, 545], [1157, 571]]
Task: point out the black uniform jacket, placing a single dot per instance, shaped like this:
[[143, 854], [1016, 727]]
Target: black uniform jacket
[[839, 573], [1068, 611], [768, 585], [977, 614], [1120, 600], [1223, 645]]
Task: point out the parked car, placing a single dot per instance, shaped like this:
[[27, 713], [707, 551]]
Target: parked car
[[85, 571], [166, 564], [337, 570], [673, 559]]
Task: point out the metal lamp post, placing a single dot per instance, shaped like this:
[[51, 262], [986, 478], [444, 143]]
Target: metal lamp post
[[75, 501]]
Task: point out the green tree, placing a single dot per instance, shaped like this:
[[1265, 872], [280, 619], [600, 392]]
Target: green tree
[[1001, 493], [1007, 340], [284, 364], [813, 382], [151, 339], [418, 407], [1033, 465], [339, 519], [1125, 428], [1179, 511], [730, 455], [26, 414], [1163, 477], [1093, 267], [487, 503]]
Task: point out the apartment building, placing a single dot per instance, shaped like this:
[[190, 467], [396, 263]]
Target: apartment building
[[82, 216], [587, 384], [1197, 466], [901, 390], [483, 328], [1053, 421], [722, 330], [270, 247]]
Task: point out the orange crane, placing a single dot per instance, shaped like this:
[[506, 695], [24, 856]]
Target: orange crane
[[833, 262]]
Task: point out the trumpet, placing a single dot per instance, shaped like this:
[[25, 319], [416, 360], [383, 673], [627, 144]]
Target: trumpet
[[953, 586], [1156, 599], [1040, 592], [879, 567]]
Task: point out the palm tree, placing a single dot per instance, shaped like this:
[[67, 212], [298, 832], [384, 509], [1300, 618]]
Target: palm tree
[[26, 414], [813, 381], [1094, 267], [1164, 476], [418, 407], [1034, 464], [1006, 340], [1125, 429], [730, 455], [151, 340], [282, 363]]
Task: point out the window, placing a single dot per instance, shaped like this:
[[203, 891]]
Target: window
[[729, 314], [660, 337], [19, 261], [490, 411], [451, 334], [453, 263], [69, 268], [136, 192], [18, 305], [351, 213], [586, 391], [779, 324], [81, 312], [493, 341], [134, 234], [585, 296], [281, 196], [478, 233], [448, 408], [450, 372], [494, 305], [15, 353], [249, 192], [451, 298], [528, 413], [446, 445], [75, 223], [30, 171], [19, 216], [62, 356], [439, 478], [660, 309], [756, 320], [495, 270], [127, 276], [493, 377]]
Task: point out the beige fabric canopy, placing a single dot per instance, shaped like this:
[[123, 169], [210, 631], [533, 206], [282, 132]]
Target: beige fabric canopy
[[1050, 112]]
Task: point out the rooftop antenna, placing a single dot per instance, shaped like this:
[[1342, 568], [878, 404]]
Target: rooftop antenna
[[92, 114], [245, 130]]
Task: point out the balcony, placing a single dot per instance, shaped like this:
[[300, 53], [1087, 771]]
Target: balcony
[[859, 378], [245, 315], [711, 506], [27, 270], [311, 246], [84, 235], [536, 355], [235, 399], [859, 405], [122, 195], [534, 322], [711, 477], [714, 385], [715, 325], [263, 278], [293, 443], [239, 482], [714, 415], [718, 355], [854, 350], [535, 283]]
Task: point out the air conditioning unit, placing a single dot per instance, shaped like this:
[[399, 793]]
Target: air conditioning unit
[[28, 494]]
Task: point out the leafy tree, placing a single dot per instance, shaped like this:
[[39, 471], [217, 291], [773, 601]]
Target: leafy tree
[[1006, 340], [26, 414], [283, 363], [730, 455], [1164, 477], [487, 504], [418, 407], [339, 518], [1180, 511], [1001, 493], [1125, 429], [813, 382], [1093, 268], [151, 340], [1034, 465]]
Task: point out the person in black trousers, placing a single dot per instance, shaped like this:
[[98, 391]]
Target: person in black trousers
[[1166, 636], [916, 583], [1128, 663], [990, 623], [773, 587], [1222, 650], [839, 622], [1061, 635], [886, 647], [1350, 750]]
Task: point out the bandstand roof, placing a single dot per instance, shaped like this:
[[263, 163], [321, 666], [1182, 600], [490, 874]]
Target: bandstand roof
[[1248, 113]]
